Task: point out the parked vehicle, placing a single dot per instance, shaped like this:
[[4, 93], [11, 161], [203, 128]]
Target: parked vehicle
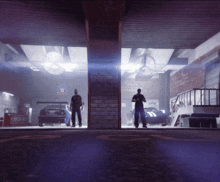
[[55, 113], [152, 116]]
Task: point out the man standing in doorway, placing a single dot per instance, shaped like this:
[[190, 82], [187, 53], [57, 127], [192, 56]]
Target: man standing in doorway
[[76, 103], [139, 99]]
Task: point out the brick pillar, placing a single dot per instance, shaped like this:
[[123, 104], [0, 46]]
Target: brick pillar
[[103, 30], [104, 85]]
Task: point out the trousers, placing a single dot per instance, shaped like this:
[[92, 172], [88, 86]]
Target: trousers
[[78, 111], [139, 111]]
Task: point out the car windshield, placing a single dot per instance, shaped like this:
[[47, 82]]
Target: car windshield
[[56, 106]]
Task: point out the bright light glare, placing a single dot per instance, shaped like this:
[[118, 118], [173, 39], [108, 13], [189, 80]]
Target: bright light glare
[[125, 55], [78, 54], [47, 64], [68, 67], [6, 93], [53, 56], [130, 67], [52, 68], [34, 69], [163, 111], [154, 114]]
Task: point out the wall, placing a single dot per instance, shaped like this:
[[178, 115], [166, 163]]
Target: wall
[[193, 75], [205, 49], [190, 77], [7, 101]]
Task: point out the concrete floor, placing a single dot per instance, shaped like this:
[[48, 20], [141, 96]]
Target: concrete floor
[[63, 126], [109, 155]]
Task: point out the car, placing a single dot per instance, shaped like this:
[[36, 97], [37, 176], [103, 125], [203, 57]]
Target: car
[[152, 115], [55, 112]]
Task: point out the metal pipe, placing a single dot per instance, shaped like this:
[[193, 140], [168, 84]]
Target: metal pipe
[[187, 98], [200, 97], [194, 97], [209, 96], [190, 97]]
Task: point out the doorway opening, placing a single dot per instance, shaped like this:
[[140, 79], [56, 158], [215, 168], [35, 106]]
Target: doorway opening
[[140, 69], [46, 76]]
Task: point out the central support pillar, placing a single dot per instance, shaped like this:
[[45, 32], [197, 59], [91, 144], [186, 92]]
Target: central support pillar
[[103, 30], [104, 85]]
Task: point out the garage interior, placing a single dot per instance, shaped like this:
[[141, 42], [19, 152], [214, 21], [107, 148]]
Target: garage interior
[[107, 50]]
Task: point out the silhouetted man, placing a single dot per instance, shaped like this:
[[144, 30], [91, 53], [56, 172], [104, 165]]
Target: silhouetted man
[[76, 103], [139, 99]]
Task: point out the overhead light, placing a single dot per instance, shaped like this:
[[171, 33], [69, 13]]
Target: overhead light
[[6, 93], [53, 54], [53, 68], [54, 58]]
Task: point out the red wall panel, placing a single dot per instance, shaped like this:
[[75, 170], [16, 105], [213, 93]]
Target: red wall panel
[[190, 77]]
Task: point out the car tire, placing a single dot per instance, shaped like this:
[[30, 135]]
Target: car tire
[[68, 124]]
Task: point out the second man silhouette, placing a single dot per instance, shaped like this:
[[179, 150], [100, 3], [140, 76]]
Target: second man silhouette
[[139, 99], [75, 107]]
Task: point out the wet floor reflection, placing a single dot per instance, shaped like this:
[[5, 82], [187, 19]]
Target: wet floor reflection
[[197, 161]]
